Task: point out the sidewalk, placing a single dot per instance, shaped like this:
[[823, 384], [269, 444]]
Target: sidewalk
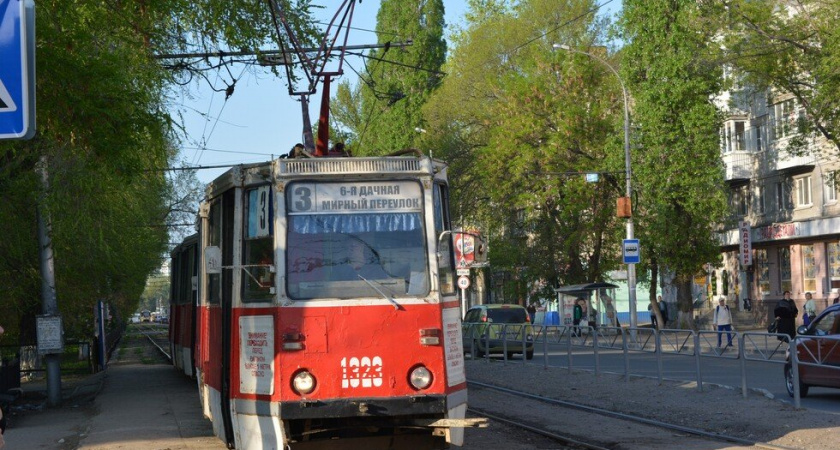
[[149, 406]]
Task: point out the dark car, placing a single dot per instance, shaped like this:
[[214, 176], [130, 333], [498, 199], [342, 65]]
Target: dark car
[[484, 324], [823, 350]]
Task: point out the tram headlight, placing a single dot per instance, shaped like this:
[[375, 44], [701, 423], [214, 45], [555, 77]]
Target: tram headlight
[[303, 382], [420, 377]]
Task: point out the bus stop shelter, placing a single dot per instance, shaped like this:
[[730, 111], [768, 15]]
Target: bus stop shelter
[[599, 298]]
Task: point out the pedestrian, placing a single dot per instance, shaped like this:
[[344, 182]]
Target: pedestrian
[[652, 314], [659, 302], [609, 308], [809, 309], [532, 311], [663, 308], [723, 322], [577, 316], [786, 313]]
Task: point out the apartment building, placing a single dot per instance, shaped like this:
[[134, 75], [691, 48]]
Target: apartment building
[[782, 184]]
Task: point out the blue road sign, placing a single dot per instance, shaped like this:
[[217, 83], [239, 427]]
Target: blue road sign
[[631, 251], [17, 110]]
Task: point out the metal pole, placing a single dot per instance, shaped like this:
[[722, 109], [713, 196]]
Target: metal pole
[[49, 304], [631, 268], [626, 356], [697, 361], [742, 356]]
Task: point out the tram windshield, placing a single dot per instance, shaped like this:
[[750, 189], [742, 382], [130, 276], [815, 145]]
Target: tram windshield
[[348, 240]]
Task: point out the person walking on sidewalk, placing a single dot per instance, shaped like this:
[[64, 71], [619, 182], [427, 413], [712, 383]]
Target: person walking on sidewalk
[[723, 322], [786, 313], [809, 309]]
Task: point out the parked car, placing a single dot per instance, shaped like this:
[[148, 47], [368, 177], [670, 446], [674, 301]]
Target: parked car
[[823, 349], [135, 318], [485, 323]]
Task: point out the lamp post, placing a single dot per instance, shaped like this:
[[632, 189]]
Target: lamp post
[[631, 268]]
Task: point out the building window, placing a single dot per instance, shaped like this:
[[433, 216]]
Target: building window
[[803, 191], [740, 200], [739, 137], [784, 268], [809, 268], [834, 264], [759, 137], [783, 197], [830, 187], [762, 268], [785, 124], [761, 202]]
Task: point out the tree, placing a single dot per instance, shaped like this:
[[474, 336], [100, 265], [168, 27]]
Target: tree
[[790, 47], [520, 123], [397, 81], [103, 127], [676, 162]]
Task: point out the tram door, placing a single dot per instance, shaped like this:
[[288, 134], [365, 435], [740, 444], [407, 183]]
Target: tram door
[[220, 298]]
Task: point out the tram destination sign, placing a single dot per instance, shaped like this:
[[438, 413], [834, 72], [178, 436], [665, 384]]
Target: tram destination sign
[[355, 197]]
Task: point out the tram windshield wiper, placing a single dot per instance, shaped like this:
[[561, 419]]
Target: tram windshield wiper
[[390, 299]]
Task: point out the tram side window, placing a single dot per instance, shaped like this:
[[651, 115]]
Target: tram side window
[[214, 280], [258, 246], [447, 277]]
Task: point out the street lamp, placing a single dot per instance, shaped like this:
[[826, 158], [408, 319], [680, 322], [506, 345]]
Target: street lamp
[[631, 268]]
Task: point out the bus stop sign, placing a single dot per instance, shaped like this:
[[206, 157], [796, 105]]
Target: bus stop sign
[[631, 252], [17, 70]]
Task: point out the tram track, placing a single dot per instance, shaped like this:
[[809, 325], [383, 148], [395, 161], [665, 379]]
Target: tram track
[[583, 414], [159, 338]]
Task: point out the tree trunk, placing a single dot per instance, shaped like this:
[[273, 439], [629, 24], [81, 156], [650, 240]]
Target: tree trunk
[[685, 303]]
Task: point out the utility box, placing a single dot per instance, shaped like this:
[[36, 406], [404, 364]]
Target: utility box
[[624, 208]]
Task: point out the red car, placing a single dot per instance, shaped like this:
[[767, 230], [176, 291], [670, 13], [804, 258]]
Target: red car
[[823, 351]]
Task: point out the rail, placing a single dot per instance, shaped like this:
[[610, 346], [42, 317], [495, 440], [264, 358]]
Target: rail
[[628, 344]]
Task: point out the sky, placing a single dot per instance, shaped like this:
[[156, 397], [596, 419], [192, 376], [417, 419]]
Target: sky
[[260, 121]]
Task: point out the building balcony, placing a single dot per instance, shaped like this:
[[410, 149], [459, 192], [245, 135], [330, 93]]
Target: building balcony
[[788, 161], [738, 165]]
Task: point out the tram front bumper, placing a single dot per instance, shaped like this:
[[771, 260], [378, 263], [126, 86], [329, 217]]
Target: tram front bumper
[[421, 405]]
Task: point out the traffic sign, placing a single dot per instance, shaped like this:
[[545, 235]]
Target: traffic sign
[[463, 282], [631, 251], [17, 71]]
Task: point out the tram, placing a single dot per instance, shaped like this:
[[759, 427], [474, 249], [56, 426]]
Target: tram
[[326, 312], [183, 298]]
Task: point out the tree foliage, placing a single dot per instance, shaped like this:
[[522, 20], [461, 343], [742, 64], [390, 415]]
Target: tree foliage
[[676, 161], [520, 124], [103, 127], [383, 112], [791, 47]]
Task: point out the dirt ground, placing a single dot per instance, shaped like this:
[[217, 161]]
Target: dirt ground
[[716, 409]]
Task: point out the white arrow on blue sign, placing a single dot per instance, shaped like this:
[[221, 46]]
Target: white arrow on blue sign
[[631, 251], [17, 111]]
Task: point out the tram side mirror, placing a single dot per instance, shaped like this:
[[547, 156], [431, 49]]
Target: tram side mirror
[[213, 260]]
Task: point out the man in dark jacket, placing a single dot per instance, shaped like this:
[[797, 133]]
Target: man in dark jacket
[[786, 313]]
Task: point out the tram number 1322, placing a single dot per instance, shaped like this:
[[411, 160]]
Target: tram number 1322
[[364, 371]]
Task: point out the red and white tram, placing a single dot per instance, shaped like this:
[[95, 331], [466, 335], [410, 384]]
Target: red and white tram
[[327, 306], [183, 298]]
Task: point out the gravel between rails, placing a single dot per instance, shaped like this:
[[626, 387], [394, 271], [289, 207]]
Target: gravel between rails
[[716, 409]]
